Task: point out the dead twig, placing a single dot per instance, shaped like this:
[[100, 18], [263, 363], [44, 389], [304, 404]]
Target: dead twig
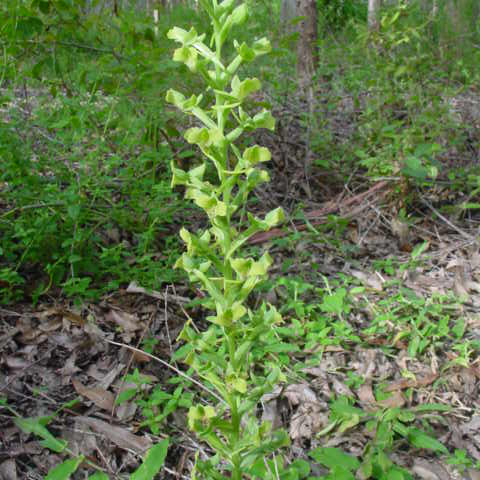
[[166, 364], [444, 219], [134, 288]]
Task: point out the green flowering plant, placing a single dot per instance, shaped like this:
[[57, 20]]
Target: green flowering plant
[[222, 355]]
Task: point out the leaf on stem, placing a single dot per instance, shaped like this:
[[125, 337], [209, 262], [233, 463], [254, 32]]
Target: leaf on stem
[[204, 137], [188, 56], [254, 155], [247, 267], [199, 417], [209, 203], [182, 36], [241, 90], [181, 102]]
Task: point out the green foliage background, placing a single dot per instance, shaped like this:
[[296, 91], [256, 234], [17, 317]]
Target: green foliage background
[[86, 138]]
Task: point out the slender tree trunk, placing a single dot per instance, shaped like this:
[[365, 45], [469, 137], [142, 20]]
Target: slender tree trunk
[[373, 11], [307, 62], [287, 14], [155, 21], [307, 57]]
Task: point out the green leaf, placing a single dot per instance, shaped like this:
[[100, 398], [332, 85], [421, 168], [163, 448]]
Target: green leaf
[[342, 408], [33, 425], [301, 467], [420, 439], [419, 249], [188, 56], [415, 169], [432, 407], [264, 119], [241, 90], [275, 217], [152, 462], [125, 396], [210, 287], [182, 36], [241, 352], [98, 476], [207, 5], [470, 206], [63, 470], [254, 155], [44, 7], [332, 457], [239, 15], [27, 27], [459, 328], [340, 473], [334, 303]]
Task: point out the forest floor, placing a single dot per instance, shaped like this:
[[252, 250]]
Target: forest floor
[[380, 311], [400, 328]]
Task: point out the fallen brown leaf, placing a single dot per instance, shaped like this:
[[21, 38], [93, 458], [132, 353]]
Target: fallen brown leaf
[[118, 435], [396, 400], [128, 322], [8, 470], [405, 383], [365, 395], [100, 397], [16, 363]]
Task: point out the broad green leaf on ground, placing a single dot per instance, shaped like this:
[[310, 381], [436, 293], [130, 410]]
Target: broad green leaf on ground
[[63, 470], [32, 425], [333, 457], [152, 463]]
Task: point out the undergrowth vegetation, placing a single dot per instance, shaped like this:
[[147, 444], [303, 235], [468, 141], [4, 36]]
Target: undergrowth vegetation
[[90, 142], [87, 138]]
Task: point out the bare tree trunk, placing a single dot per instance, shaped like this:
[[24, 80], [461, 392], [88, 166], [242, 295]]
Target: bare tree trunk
[[373, 11], [155, 21], [307, 57], [307, 62], [287, 14]]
